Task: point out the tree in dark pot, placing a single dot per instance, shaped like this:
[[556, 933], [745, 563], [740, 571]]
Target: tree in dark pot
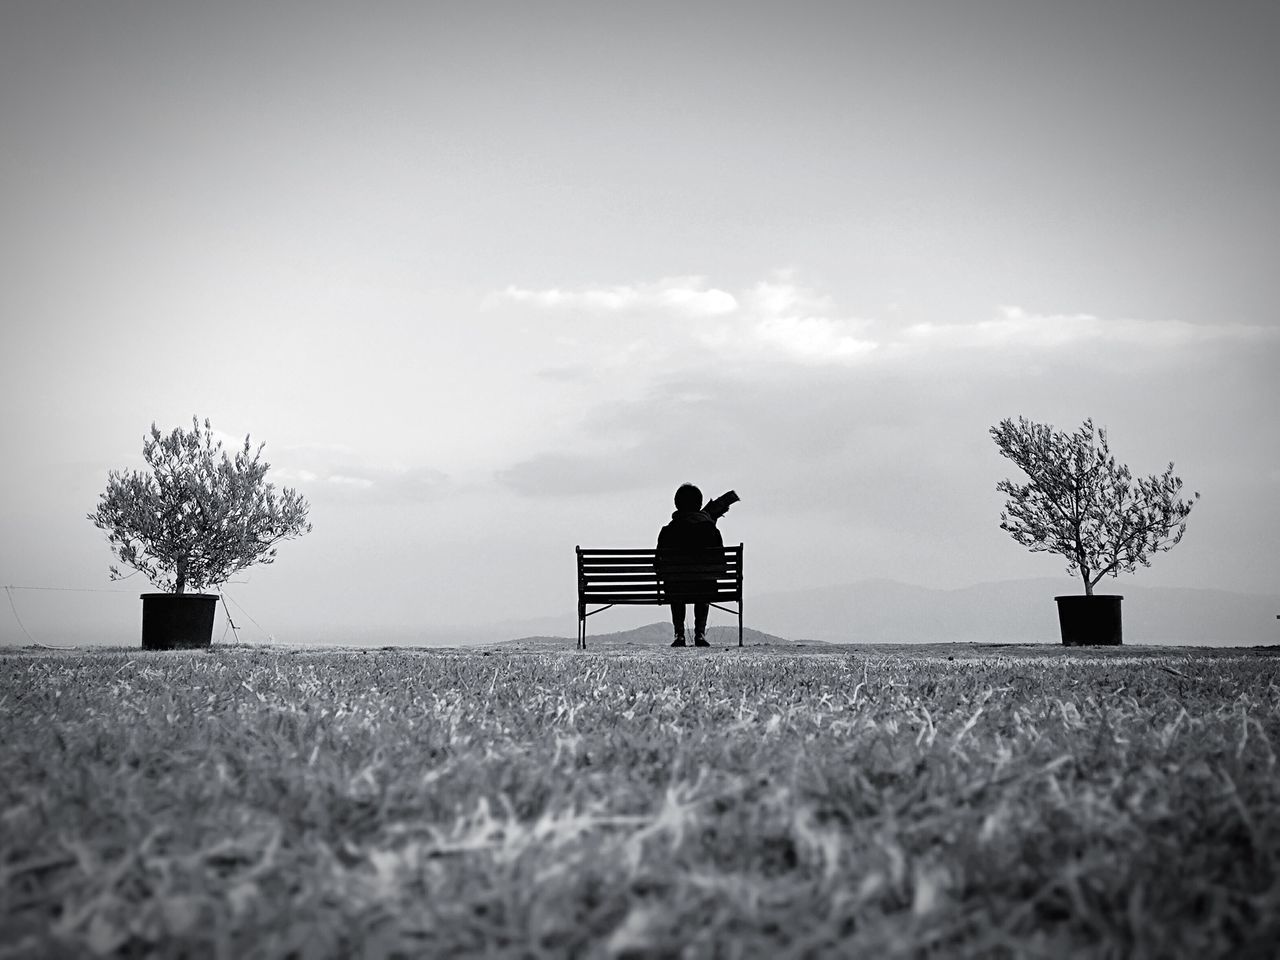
[[1083, 505], [193, 520]]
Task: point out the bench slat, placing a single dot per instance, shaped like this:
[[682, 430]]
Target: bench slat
[[653, 578], [585, 551], [672, 573], [613, 566], [601, 566], [674, 583], [653, 589], [650, 552], [651, 599], [650, 556]]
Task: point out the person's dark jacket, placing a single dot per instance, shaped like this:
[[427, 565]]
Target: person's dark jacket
[[687, 567]]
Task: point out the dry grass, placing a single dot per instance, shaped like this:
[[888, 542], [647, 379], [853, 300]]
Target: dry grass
[[247, 803]]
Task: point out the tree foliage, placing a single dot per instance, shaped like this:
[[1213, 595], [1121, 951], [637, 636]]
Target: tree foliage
[[1083, 505], [199, 515]]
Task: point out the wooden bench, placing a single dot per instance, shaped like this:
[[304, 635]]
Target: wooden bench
[[631, 577]]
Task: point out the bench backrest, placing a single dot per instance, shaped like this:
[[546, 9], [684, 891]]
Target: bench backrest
[[635, 576]]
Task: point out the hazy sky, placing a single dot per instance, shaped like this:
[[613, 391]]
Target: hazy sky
[[491, 279]]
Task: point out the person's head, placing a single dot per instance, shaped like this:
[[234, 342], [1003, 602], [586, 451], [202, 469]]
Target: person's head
[[688, 497]]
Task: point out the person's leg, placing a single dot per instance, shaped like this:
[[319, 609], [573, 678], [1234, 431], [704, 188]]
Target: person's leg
[[677, 621], [700, 611]]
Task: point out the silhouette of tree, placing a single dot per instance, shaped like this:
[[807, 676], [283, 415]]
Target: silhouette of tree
[[1083, 505], [199, 515]]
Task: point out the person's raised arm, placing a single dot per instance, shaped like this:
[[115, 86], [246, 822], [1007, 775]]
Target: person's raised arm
[[718, 507]]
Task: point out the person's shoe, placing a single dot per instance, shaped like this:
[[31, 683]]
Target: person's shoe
[[678, 641], [700, 641]]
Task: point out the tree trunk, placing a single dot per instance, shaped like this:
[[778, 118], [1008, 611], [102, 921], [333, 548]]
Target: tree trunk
[[181, 584]]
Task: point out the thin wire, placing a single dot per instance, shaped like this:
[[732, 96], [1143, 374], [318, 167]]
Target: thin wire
[[230, 623], [8, 592], [226, 597], [69, 589]]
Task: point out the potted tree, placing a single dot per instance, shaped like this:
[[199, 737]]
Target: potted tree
[[1083, 505], [190, 522]]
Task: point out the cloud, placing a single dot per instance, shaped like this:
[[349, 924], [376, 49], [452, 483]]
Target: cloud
[[341, 480], [813, 339], [321, 470], [678, 296], [784, 321], [770, 321], [559, 474], [1017, 327], [782, 297], [779, 323]]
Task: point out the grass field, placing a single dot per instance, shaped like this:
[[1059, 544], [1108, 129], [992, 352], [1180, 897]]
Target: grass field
[[764, 802]]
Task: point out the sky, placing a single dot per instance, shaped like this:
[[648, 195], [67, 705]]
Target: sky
[[490, 279]]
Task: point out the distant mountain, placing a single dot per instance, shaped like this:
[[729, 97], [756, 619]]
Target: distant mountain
[[1012, 611]]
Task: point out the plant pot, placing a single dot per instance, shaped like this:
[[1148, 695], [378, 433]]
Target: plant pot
[[1090, 621], [172, 621]]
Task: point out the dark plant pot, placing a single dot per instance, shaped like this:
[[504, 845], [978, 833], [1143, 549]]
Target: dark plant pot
[[1090, 621], [172, 621]]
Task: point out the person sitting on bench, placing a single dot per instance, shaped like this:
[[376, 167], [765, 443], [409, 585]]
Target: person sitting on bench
[[692, 529]]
